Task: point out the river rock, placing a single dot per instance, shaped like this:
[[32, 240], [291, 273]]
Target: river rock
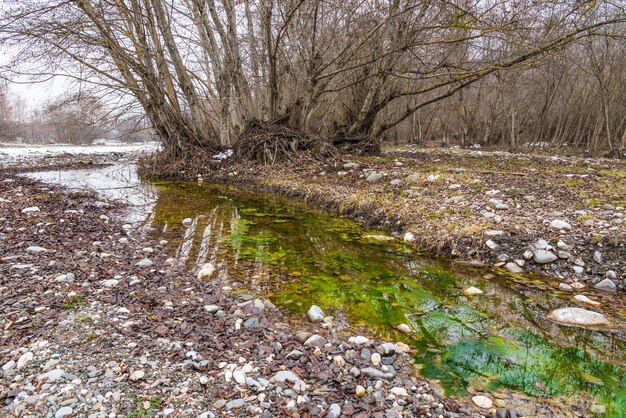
[[585, 299], [31, 209], [544, 257], [211, 308], [577, 317], [597, 257], [236, 403], [137, 375], [302, 336], [315, 313], [63, 412], [513, 267], [559, 224], [146, 262], [405, 328], [472, 291], [315, 341], [35, 249], [374, 177], [24, 359], [334, 411], [187, 221], [359, 340], [412, 178], [398, 391], [376, 374], [607, 285], [206, 272], [482, 401]]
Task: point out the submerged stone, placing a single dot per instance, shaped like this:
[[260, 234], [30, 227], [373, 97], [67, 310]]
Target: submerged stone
[[577, 317]]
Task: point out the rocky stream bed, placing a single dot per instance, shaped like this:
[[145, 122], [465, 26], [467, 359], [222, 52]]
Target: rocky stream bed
[[109, 314]]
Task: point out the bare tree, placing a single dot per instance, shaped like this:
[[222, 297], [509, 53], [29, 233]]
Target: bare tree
[[204, 70]]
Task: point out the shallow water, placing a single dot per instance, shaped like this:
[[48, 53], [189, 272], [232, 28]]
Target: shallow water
[[298, 257]]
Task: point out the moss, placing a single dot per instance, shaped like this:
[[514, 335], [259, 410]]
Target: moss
[[499, 341]]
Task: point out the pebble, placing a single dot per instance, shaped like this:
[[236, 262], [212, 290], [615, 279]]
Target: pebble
[[146, 262], [577, 317], [63, 412], [472, 291], [31, 209], [544, 257], [236, 403], [376, 359], [398, 391], [482, 402], [206, 272], [359, 340], [513, 267], [360, 391], [374, 177], [405, 328], [334, 411], [606, 285], [211, 308], [585, 299], [315, 341], [294, 355], [35, 249], [559, 224], [597, 257], [315, 313], [137, 375], [24, 359]]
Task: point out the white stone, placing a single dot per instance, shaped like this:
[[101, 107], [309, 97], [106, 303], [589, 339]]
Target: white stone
[[137, 375], [559, 224], [239, 376], [398, 391], [376, 359], [110, 283], [63, 412], [577, 317], [206, 272], [472, 291], [585, 299], [482, 402], [359, 340], [31, 209], [544, 257], [24, 359], [405, 328], [513, 267], [491, 244], [315, 313], [35, 249], [409, 237]]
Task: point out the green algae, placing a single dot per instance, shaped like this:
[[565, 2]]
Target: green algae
[[497, 340]]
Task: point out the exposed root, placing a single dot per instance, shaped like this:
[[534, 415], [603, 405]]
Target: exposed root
[[270, 143]]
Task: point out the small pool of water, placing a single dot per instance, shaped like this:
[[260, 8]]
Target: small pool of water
[[298, 257]]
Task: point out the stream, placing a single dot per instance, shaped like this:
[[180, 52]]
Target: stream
[[298, 256]]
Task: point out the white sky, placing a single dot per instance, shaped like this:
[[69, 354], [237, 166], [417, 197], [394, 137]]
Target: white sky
[[37, 94]]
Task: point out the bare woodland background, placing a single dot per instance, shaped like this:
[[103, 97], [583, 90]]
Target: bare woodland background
[[202, 72]]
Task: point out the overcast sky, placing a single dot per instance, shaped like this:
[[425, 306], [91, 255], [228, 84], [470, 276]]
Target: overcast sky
[[35, 95]]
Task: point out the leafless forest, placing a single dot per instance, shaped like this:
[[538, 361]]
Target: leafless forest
[[206, 72]]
